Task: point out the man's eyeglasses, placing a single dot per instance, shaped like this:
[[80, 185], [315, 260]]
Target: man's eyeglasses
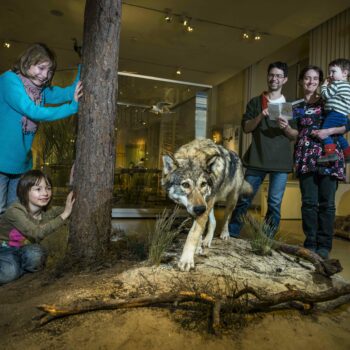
[[278, 76]]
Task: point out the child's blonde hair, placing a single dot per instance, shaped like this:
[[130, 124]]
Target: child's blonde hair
[[35, 54]]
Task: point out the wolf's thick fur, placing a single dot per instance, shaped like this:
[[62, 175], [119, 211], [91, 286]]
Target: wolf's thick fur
[[199, 174]]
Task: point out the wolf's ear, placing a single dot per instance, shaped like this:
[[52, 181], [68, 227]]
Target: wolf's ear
[[211, 163], [169, 164]]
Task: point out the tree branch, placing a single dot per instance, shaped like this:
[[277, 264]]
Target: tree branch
[[260, 302], [324, 267]]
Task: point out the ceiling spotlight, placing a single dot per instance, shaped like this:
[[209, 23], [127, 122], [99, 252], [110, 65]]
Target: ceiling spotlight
[[178, 71], [7, 45], [168, 16], [190, 28], [257, 36], [245, 35], [185, 21]]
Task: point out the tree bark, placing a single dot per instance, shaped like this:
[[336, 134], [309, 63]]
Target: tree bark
[[90, 225]]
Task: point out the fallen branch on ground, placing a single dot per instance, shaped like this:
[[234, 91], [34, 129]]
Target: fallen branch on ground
[[326, 268], [260, 232], [254, 301]]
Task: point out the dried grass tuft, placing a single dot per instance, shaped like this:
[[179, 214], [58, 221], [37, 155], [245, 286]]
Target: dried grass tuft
[[164, 234], [260, 233]]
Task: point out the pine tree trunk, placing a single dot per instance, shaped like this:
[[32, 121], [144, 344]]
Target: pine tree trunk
[[90, 225]]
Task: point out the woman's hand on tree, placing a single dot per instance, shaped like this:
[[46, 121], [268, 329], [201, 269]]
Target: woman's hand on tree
[[78, 93]]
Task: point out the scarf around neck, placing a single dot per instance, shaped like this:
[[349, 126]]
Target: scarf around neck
[[34, 92]]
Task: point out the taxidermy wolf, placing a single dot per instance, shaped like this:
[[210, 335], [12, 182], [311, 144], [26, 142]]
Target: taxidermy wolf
[[198, 175]]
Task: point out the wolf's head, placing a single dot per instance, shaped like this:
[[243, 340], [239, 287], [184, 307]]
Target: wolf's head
[[187, 183]]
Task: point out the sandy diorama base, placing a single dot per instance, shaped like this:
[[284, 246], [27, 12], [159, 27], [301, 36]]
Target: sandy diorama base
[[225, 268]]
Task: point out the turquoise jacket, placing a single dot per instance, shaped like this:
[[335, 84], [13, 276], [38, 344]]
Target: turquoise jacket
[[15, 146]]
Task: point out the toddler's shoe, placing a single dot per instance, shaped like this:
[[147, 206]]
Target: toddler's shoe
[[330, 155]]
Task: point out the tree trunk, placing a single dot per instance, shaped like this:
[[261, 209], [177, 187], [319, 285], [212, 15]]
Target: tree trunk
[[90, 225]]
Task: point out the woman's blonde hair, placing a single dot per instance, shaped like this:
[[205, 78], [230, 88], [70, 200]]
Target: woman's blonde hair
[[33, 55]]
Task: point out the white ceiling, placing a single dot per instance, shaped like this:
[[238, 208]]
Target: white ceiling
[[213, 52]]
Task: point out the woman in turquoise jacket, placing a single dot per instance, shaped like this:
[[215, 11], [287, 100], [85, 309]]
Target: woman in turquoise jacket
[[24, 92]]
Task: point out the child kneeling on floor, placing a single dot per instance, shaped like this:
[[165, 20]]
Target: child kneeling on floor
[[26, 223]]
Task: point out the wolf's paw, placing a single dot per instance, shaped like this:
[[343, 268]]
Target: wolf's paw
[[225, 235], [207, 242], [199, 250], [186, 264]]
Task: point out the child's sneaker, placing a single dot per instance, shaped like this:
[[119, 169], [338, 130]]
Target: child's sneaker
[[330, 155]]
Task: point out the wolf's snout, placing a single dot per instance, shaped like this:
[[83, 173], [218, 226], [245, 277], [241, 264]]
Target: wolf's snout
[[199, 209]]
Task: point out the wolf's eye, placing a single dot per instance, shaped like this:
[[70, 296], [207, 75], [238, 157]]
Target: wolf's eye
[[203, 184], [185, 185]]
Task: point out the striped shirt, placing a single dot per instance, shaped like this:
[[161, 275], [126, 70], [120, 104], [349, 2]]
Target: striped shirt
[[337, 96]]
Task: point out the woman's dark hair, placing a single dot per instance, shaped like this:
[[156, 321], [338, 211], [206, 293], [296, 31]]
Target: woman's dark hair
[[35, 54], [27, 181], [311, 67]]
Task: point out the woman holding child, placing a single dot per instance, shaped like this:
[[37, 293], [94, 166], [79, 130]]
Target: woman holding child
[[318, 182]]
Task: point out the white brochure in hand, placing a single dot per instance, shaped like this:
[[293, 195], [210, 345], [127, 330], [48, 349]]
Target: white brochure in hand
[[277, 109], [285, 109]]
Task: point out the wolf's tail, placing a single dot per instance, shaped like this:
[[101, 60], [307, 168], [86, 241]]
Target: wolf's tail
[[246, 188]]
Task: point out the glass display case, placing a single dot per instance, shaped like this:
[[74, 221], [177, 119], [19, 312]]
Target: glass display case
[[154, 117]]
